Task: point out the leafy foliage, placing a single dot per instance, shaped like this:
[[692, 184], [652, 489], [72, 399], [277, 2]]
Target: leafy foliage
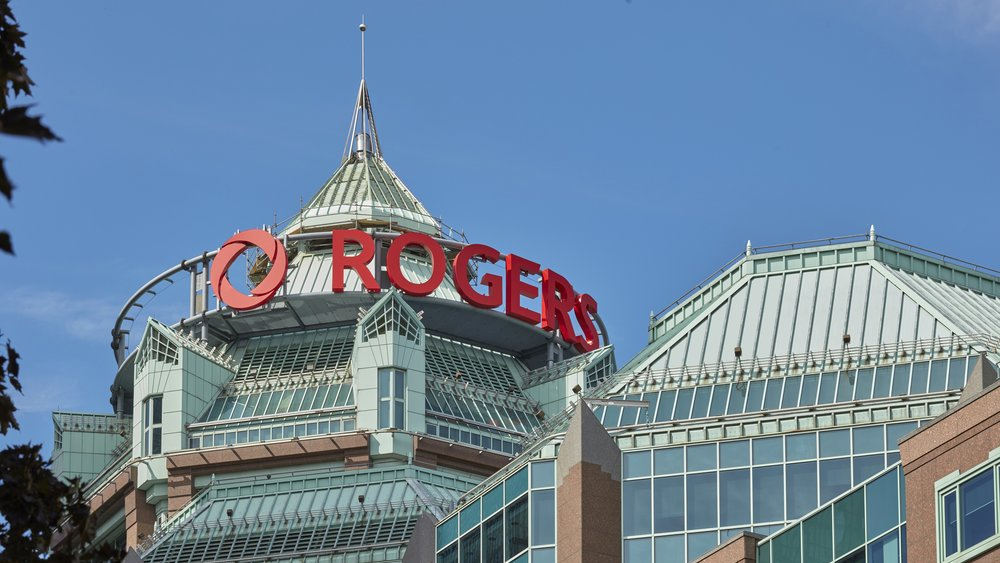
[[36, 507]]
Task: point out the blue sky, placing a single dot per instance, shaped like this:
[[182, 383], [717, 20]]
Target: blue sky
[[632, 146]]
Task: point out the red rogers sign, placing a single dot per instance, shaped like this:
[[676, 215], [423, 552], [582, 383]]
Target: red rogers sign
[[560, 304]]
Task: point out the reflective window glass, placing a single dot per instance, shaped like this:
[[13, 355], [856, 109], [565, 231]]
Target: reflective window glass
[[834, 443], [698, 544], [734, 454], [956, 373], [863, 384], [543, 555], [867, 465], [668, 461], [834, 478], [469, 517], [894, 432], [939, 376], [612, 415], [849, 523], [493, 500], [720, 395], [669, 549], [918, 378], [737, 396], [800, 446], [817, 537], [755, 396], [665, 406], [868, 439], [630, 415], [516, 484], [772, 396], [734, 497], [884, 550], [900, 380], [701, 457], [950, 523], [469, 547], [682, 410], [767, 450], [882, 510], [827, 388], [883, 382], [668, 504], [768, 494], [638, 551], [517, 527], [701, 399], [790, 398], [447, 532], [845, 385], [646, 413], [801, 489], [810, 385], [701, 501], [976, 502], [786, 547], [543, 473], [492, 539], [543, 517], [636, 464], [449, 555], [636, 506]]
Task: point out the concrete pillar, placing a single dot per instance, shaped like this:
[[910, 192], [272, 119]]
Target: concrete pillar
[[588, 493]]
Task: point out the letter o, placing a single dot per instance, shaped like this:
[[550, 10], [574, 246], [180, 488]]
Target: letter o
[[395, 271]]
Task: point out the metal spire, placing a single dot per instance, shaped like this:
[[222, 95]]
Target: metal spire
[[362, 137]]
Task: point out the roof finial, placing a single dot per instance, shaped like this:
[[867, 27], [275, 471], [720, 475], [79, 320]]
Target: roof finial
[[362, 27], [749, 248], [871, 233], [362, 137]]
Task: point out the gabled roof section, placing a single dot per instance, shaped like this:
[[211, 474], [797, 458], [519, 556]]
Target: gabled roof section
[[800, 301]]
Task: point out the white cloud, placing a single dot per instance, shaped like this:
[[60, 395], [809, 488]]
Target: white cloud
[[969, 19], [80, 317]]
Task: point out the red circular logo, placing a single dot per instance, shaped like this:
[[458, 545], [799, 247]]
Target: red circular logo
[[267, 288]]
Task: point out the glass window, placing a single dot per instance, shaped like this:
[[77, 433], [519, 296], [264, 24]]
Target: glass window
[[863, 384], [701, 501], [883, 382], [682, 410], [543, 516], [882, 510], [810, 385], [801, 489], [636, 507], [516, 484], [918, 378], [817, 537], [939, 376], [867, 465], [666, 405], [701, 398], [767, 450], [669, 549], [701, 457], [790, 398], [768, 494], [868, 439], [755, 396], [834, 478], [786, 547], [391, 398], [845, 385], [630, 414], [734, 454], [543, 555], [900, 380], [449, 555], [834, 443], [976, 502], [638, 551], [800, 446], [894, 432], [956, 373], [469, 547], [645, 413], [734, 497], [517, 527], [698, 544], [636, 464], [469, 517], [668, 461], [447, 531], [884, 550], [493, 539], [543, 474], [849, 523], [668, 504], [737, 397], [719, 398], [152, 425], [827, 388], [950, 523], [772, 396]]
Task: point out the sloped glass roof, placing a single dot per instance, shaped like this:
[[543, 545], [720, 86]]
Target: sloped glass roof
[[483, 368], [312, 352], [278, 402]]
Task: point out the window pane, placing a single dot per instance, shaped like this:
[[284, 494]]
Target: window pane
[[544, 555], [447, 531], [849, 523], [834, 478], [885, 550], [900, 380], [636, 507], [543, 473], [868, 439], [636, 464], [157, 410], [956, 373], [698, 544], [157, 440], [768, 494], [918, 378], [449, 555], [950, 524], [863, 384], [669, 549], [667, 461], [883, 382], [939, 376], [755, 396], [737, 396], [772, 397], [638, 551], [817, 537], [701, 501], [383, 384], [492, 539], [977, 501], [683, 409], [767, 450], [810, 385], [896, 431], [801, 489], [867, 465], [469, 517], [845, 386], [734, 497], [734, 454], [469, 548], [790, 398], [701, 457], [786, 547], [543, 516], [398, 376], [668, 507], [827, 387], [701, 397], [663, 411], [517, 527], [834, 443], [399, 419], [630, 414], [883, 504], [493, 500], [800, 446], [516, 484]]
